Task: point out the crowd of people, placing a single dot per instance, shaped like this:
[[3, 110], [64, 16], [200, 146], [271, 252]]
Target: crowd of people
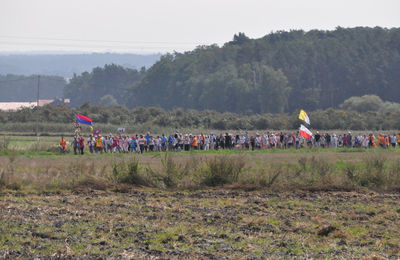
[[177, 142]]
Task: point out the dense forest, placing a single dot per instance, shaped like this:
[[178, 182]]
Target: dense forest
[[107, 86], [17, 88], [280, 72]]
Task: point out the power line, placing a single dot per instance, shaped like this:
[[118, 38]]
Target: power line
[[110, 41], [31, 78], [13, 80], [86, 46]]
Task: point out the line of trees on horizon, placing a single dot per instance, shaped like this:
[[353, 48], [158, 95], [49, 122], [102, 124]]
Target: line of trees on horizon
[[19, 88], [368, 112]]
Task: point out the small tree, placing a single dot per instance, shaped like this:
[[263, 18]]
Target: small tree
[[109, 101]]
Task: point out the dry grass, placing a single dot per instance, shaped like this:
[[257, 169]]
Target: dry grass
[[321, 171]]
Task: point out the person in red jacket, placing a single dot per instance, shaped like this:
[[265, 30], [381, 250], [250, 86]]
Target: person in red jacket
[[82, 144]]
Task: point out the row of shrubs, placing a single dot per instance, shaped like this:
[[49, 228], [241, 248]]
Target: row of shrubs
[[218, 171], [375, 172], [315, 173], [140, 119]]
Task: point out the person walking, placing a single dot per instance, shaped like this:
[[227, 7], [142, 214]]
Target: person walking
[[63, 145], [142, 143], [81, 144], [75, 145], [99, 144], [91, 143]]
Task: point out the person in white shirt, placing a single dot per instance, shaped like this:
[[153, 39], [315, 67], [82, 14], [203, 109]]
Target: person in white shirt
[[334, 141], [206, 143], [365, 141], [393, 140]]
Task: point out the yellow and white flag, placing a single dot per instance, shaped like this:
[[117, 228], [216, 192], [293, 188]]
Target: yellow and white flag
[[303, 116]]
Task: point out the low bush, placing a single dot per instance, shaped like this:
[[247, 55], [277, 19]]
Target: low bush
[[174, 173], [270, 176], [91, 182], [128, 172], [4, 143], [222, 170], [58, 119], [2, 180], [373, 174], [171, 171]]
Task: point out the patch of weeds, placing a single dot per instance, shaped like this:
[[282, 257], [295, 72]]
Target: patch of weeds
[[319, 167], [350, 170], [14, 186], [166, 237], [128, 173], [373, 174], [324, 249], [357, 231], [90, 181], [301, 167], [172, 171], [394, 174], [295, 248], [4, 143], [7, 173], [271, 176], [2, 180], [222, 170], [273, 222]]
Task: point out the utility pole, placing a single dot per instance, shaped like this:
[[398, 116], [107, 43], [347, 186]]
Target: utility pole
[[254, 78], [37, 107]]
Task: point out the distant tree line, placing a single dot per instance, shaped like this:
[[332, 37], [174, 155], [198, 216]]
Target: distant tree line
[[107, 86], [357, 113], [280, 72], [65, 64], [17, 88]]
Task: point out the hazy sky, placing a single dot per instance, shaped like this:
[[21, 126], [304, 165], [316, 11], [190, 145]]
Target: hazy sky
[[168, 25]]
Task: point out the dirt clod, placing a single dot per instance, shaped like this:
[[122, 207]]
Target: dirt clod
[[325, 231]]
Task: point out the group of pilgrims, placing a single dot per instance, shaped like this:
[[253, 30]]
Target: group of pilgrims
[[177, 142]]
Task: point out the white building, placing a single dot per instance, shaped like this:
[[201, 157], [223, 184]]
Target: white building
[[14, 106]]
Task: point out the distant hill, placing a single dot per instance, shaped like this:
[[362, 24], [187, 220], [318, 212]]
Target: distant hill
[[65, 65]]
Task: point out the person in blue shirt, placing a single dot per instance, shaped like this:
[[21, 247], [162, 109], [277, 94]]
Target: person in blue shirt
[[133, 144], [147, 137], [171, 143], [163, 142]]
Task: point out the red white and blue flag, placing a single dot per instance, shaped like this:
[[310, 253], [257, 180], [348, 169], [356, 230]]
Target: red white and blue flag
[[83, 119]]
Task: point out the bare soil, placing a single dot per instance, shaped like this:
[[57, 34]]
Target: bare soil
[[207, 224]]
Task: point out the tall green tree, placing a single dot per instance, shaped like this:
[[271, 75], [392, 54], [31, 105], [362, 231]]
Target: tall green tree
[[111, 80]]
